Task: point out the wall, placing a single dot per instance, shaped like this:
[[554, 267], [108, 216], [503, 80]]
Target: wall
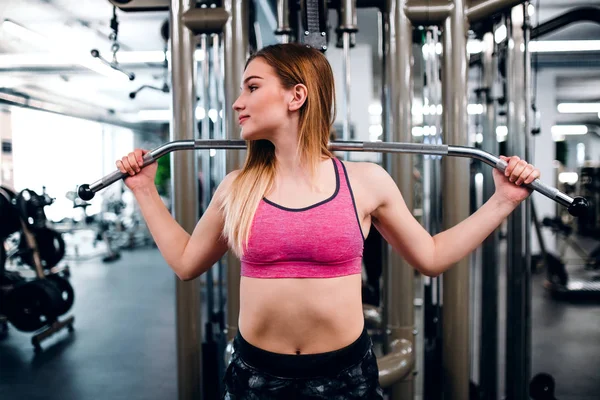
[[63, 152]]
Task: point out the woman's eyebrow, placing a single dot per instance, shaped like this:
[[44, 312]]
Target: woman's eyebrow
[[250, 77]]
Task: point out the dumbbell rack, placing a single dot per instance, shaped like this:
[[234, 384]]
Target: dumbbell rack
[[56, 325], [50, 330]]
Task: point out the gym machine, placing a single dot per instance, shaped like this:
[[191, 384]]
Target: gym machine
[[559, 283], [394, 366], [397, 21], [584, 285]]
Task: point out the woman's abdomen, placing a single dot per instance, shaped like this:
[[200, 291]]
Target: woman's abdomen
[[301, 316]]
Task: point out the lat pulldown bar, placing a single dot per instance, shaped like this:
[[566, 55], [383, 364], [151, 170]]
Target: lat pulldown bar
[[577, 206]]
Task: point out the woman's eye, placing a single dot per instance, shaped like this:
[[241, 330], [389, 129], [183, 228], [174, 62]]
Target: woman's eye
[[252, 88]]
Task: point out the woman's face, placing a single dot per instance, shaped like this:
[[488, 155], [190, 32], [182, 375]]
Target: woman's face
[[262, 106]]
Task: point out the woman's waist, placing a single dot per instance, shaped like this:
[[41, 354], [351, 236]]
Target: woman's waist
[[321, 364], [300, 336], [300, 315]]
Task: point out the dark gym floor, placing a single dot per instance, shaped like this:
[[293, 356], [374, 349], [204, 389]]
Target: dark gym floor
[[123, 346], [565, 341]]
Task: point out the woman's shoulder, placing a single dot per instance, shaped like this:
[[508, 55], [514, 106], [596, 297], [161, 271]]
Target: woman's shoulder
[[230, 177], [225, 185], [365, 171], [369, 182]]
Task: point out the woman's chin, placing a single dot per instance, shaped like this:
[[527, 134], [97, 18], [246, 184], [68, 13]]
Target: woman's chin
[[245, 135], [249, 135]]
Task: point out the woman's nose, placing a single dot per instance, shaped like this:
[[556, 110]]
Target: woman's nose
[[237, 105]]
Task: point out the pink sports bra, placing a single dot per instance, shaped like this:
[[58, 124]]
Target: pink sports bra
[[324, 240]]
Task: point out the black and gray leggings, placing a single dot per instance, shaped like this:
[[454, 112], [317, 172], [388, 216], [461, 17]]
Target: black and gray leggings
[[348, 373]]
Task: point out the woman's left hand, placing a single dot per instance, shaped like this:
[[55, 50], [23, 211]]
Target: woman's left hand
[[518, 173]]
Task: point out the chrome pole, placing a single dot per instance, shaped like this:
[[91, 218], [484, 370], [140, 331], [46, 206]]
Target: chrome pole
[[456, 189], [184, 170]]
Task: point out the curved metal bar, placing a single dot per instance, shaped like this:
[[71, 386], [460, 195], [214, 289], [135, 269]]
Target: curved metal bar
[[373, 317], [396, 365], [576, 206], [481, 9], [537, 185]]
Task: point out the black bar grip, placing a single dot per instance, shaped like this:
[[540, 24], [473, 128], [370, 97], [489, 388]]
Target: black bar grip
[[87, 192], [576, 207], [84, 192]]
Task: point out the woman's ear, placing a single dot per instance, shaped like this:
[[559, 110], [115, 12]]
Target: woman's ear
[[300, 93]]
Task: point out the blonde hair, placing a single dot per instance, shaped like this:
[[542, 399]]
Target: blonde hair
[[294, 64]]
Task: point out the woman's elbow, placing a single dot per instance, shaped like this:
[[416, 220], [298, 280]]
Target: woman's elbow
[[189, 272], [183, 273], [183, 277], [432, 271]]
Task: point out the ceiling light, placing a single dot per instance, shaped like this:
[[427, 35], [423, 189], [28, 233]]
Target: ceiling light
[[578, 108], [72, 57], [154, 115], [96, 65], [21, 32], [554, 46], [140, 57], [569, 130], [28, 60], [24, 33], [475, 46], [166, 115]]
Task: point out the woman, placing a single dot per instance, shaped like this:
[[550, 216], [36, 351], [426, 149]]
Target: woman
[[297, 217]]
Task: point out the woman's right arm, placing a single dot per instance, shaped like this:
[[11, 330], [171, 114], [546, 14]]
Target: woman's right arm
[[188, 255]]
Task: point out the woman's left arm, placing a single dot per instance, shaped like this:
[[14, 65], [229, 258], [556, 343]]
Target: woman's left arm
[[434, 255]]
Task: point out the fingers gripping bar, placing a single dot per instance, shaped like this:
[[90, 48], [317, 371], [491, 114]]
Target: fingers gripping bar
[[576, 206]]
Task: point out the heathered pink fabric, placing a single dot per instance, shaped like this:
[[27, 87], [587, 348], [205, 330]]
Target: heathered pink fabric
[[320, 241]]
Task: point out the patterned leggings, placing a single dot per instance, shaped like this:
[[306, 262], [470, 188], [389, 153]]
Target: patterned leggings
[[348, 373]]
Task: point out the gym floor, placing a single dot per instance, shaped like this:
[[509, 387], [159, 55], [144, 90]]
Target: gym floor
[[123, 346]]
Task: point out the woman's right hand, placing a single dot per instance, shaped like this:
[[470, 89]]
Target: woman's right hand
[[138, 177]]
